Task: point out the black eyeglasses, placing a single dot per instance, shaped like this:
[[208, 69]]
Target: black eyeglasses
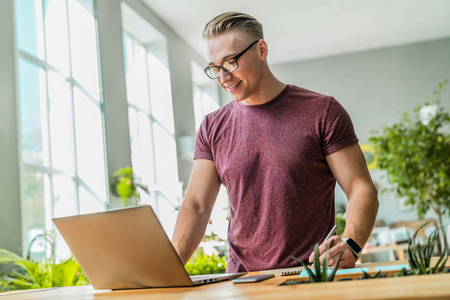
[[229, 65]]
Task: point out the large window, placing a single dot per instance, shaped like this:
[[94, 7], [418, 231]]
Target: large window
[[61, 119], [206, 96], [206, 100], [150, 112]]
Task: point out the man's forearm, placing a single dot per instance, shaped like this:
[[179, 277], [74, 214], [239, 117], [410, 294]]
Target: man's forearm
[[361, 214], [189, 230]]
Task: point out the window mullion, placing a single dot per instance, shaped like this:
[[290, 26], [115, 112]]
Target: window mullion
[[75, 83], [89, 190], [100, 103], [72, 102], [38, 168], [49, 203], [49, 198], [152, 133], [40, 63], [48, 179]]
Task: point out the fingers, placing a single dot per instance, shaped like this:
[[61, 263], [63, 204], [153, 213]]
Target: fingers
[[330, 243], [335, 246], [347, 260]]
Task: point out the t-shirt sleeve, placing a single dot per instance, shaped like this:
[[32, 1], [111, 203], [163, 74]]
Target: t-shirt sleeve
[[202, 145], [338, 129]]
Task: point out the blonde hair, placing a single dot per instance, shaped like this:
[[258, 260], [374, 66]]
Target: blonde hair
[[241, 22]]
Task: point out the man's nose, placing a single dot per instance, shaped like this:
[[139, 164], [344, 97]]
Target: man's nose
[[224, 76]]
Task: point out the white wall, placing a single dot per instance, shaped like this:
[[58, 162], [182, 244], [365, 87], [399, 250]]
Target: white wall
[[375, 86]]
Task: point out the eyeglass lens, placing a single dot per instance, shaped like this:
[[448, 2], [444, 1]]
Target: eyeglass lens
[[228, 66]]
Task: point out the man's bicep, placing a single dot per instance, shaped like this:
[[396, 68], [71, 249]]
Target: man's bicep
[[204, 185], [349, 167]]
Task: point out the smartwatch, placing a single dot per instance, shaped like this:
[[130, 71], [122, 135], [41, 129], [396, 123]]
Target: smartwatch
[[354, 247]]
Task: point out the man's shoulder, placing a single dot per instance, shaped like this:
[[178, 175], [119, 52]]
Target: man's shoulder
[[308, 98], [301, 91], [222, 111]]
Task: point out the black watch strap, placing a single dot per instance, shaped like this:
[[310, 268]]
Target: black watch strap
[[356, 249]]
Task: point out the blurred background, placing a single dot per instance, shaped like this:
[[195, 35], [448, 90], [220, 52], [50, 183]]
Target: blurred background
[[101, 100]]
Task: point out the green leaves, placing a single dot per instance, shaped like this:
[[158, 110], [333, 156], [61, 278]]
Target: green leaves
[[340, 223], [123, 183], [44, 273], [377, 275], [125, 186], [205, 264], [419, 256], [416, 156], [320, 273]]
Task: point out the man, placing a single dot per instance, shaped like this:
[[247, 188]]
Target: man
[[279, 150]]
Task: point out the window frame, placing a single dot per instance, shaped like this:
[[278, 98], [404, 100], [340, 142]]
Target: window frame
[[48, 168]]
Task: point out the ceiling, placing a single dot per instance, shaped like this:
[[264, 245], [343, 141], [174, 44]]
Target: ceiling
[[307, 29]]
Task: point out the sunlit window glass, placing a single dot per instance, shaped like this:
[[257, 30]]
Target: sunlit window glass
[[29, 27], [150, 111], [88, 202], [56, 34], [89, 143], [32, 99], [160, 90], [63, 169], [33, 205], [61, 123], [64, 196], [83, 45]]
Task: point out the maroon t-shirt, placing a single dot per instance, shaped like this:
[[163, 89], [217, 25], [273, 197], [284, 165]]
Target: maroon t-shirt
[[271, 159]]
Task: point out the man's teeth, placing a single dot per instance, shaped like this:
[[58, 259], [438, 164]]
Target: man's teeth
[[233, 86]]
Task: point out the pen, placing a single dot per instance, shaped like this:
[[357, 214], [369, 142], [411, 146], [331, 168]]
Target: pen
[[329, 234]]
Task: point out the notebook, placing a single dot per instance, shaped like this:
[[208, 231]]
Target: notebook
[[287, 271], [127, 249], [284, 271], [359, 268]]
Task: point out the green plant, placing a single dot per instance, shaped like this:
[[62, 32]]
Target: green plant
[[415, 154], [377, 275], [404, 272], [28, 273], [340, 223], [125, 186], [320, 273], [205, 264], [419, 256]]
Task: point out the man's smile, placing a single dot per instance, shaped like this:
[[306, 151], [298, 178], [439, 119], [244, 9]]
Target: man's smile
[[232, 87]]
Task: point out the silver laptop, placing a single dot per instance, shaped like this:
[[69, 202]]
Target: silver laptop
[[127, 249]]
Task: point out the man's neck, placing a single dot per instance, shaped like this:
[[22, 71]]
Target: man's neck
[[269, 89]]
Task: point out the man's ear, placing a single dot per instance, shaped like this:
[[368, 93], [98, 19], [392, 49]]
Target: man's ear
[[263, 50]]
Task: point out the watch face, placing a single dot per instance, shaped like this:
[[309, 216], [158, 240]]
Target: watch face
[[351, 243]]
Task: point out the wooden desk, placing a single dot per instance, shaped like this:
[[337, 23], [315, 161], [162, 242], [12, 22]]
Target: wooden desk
[[410, 287]]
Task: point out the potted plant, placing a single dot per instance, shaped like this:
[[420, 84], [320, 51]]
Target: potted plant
[[125, 186], [319, 273], [419, 256], [415, 154]]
